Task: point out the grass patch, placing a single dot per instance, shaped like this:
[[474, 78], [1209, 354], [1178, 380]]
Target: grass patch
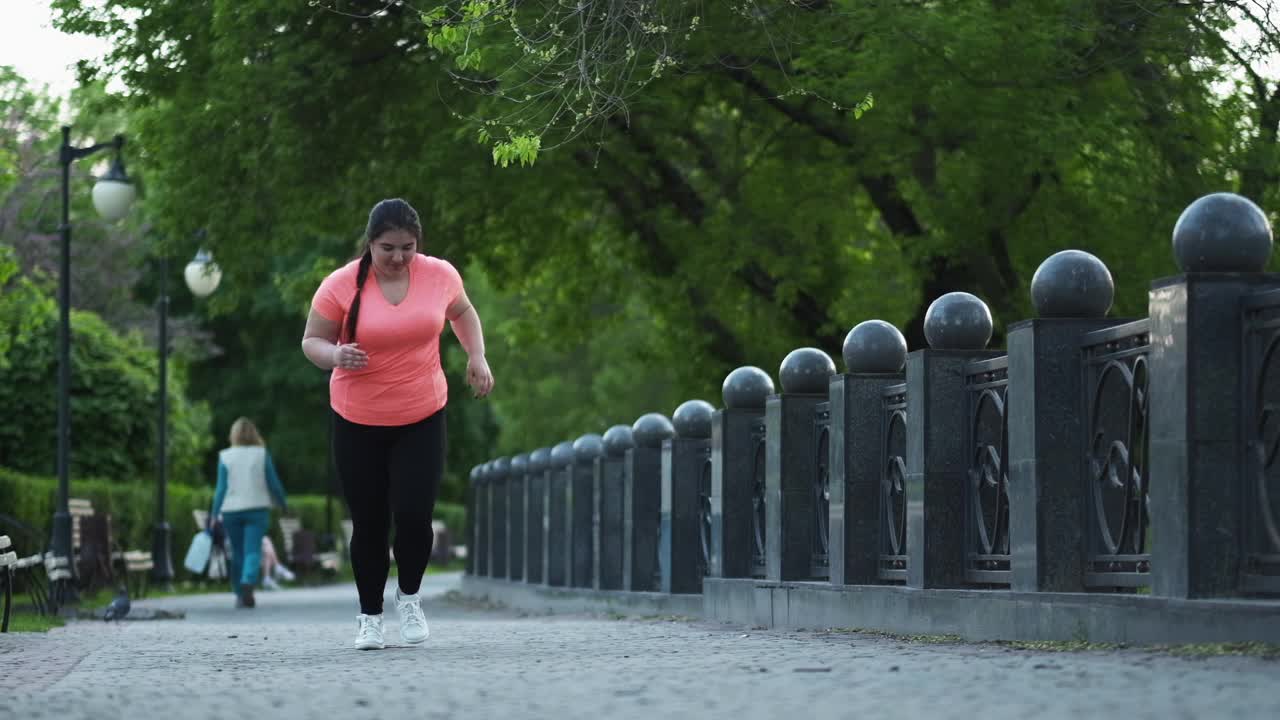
[[916, 639], [665, 618], [469, 602], [1266, 651], [1058, 645], [30, 622], [451, 566]]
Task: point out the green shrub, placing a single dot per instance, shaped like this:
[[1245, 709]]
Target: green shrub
[[30, 499], [114, 385]]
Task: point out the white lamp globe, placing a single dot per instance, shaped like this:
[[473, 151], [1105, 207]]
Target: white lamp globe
[[202, 274], [114, 193]]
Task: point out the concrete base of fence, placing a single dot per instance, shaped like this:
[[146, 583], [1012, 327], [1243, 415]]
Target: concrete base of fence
[[559, 600], [990, 615]]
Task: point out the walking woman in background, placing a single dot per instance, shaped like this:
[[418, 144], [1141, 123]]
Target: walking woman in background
[[247, 484], [376, 322]]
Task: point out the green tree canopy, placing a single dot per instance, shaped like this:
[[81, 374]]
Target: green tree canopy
[[733, 208]]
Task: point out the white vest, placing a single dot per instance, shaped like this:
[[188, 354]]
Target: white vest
[[246, 478]]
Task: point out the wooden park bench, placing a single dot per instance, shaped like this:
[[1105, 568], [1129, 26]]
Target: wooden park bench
[[98, 554], [137, 566], [25, 573], [300, 548]]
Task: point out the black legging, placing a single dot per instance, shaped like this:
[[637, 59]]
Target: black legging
[[389, 473]]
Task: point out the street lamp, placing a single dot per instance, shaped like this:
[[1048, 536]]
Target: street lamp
[[112, 196], [202, 276]]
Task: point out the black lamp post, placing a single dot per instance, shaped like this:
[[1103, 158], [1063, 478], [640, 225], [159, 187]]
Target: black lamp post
[[112, 196], [202, 277]]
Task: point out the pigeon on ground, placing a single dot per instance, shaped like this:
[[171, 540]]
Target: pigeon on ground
[[119, 606]]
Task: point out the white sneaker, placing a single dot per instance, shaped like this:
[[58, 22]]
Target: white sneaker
[[413, 624], [269, 583], [285, 573], [369, 636]]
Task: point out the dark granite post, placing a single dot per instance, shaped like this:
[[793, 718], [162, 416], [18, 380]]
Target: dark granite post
[[558, 518], [857, 439], [472, 518], [516, 513], [642, 503], [733, 461], [1199, 445], [874, 354], [1048, 424], [609, 493], [791, 464], [498, 511], [957, 326], [1047, 444], [483, 523], [536, 520], [581, 489], [684, 459]]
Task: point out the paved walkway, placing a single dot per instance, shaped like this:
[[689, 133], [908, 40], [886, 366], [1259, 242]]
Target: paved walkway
[[292, 658]]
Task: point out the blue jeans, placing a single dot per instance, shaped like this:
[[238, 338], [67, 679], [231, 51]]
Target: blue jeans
[[245, 529]]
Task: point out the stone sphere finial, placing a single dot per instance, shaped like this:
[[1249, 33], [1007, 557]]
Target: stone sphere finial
[[650, 429], [618, 440], [806, 370], [502, 467], [958, 321], [746, 388], [539, 460], [588, 447], [486, 470], [520, 464], [693, 419], [1072, 284], [475, 473], [562, 454], [874, 346], [1222, 232]]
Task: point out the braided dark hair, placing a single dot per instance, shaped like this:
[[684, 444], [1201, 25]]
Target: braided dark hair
[[386, 216]]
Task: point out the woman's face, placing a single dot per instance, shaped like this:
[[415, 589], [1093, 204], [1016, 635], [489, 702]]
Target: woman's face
[[393, 250]]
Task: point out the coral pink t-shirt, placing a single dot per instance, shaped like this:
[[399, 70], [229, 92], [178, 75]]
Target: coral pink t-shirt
[[403, 382]]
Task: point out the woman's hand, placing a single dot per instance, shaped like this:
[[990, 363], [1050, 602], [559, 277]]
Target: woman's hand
[[349, 357], [479, 377]]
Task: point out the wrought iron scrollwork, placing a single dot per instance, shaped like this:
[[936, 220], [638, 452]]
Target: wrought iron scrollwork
[[759, 521], [1117, 474], [821, 553], [893, 489], [1262, 486], [704, 517], [1267, 447], [988, 490]]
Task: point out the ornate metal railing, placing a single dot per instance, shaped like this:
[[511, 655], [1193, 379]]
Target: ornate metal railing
[[758, 519], [1115, 361], [893, 486], [704, 515], [820, 564], [987, 490], [1261, 568]]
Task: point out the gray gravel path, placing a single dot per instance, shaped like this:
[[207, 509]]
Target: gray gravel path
[[292, 658]]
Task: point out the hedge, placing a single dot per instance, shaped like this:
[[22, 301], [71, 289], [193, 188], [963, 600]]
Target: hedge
[[30, 499]]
